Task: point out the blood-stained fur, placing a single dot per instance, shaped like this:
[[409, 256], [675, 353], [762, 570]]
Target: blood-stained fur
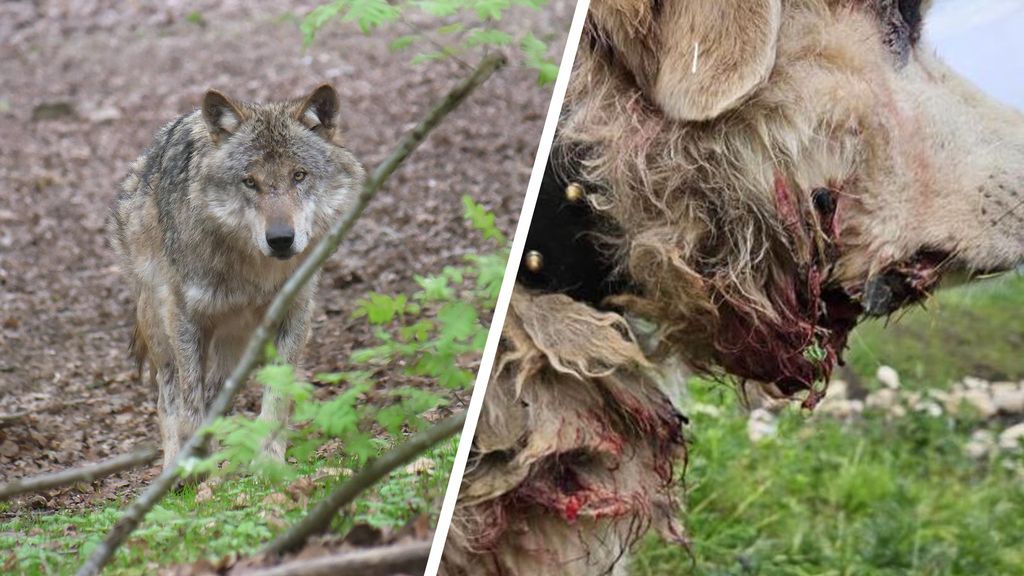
[[772, 171]]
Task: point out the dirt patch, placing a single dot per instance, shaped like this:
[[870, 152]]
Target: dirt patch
[[84, 86]]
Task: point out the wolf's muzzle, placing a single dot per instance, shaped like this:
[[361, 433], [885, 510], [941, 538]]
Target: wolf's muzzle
[[280, 239]]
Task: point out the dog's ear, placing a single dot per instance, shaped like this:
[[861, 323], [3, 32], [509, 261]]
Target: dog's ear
[[713, 54], [222, 115], [319, 111]]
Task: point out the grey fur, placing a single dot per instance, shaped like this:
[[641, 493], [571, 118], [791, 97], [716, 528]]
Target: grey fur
[[191, 237]]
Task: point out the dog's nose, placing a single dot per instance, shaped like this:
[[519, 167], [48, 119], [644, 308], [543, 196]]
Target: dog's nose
[[280, 238]]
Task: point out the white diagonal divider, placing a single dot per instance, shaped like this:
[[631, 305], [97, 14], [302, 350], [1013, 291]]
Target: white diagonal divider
[[505, 295]]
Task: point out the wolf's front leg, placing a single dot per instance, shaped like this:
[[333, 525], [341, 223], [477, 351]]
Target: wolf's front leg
[[168, 406], [289, 341], [189, 345]]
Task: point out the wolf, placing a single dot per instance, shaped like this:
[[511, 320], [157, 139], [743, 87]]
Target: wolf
[[734, 185], [211, 221]]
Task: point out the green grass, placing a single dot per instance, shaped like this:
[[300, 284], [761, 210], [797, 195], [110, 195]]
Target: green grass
[[875, 496], [180, 530], [872, 497]]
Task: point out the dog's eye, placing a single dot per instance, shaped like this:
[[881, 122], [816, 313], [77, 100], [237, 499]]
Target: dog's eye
[[249, 182], [299, 176]]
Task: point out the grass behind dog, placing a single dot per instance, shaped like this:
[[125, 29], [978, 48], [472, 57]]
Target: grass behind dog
[[879, 495]]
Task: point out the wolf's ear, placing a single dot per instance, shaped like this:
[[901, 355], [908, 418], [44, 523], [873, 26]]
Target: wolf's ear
[[221, 114], [319, 110], [714, 54]]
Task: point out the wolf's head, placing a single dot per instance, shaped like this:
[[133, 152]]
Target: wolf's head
[[277, 178], [781, 167]]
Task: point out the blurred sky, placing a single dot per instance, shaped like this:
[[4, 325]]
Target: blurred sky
[[983, 40]]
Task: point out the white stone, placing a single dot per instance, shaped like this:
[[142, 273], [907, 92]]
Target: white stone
[[1011, 438], [1008, 397], [888, 376], [972, 383], [761, 426], [838, 390], [884, 399], [981, 443], [840, 408], [979, 400]]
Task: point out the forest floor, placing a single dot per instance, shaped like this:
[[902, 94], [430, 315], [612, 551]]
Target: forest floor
[[83, 86]]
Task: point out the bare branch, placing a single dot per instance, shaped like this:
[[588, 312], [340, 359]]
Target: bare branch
[[142, 455], [133, 516], [403, 558], [319, 518]]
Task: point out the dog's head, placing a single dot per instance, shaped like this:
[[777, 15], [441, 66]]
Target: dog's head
[[781, 167], [277, 175]]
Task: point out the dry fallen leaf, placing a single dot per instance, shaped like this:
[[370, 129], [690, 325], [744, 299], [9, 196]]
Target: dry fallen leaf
[[301, 488], [329, 472], [364, 535], [420, 466], [275, 498], [275, 523], [204, 493], [416, 529]]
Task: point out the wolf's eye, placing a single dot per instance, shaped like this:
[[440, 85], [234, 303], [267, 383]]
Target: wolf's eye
[[249, 182], [299, 176]]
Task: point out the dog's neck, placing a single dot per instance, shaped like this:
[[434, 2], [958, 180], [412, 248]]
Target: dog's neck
[[567, 252]]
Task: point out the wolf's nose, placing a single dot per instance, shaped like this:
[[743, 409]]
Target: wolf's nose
[[280, 238]]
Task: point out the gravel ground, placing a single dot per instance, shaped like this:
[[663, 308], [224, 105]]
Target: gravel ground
[[83, 86]]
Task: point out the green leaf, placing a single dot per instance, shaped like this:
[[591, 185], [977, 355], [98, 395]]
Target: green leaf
[[450, 28], [317, 18], [454, 377], [435, 288], [491, 272], [420, 58], [458, 320], [535, 52], [371, 13], [495, 37], [379, 308], [392, 418], [403, 42], [482, 220], [453, 274], [490, 8], [438, 8], [548, 72]]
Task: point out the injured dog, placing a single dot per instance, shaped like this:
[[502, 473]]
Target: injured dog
[[751, 178]]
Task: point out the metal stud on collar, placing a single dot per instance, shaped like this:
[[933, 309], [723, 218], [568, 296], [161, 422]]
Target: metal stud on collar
[[574, 192], [534, 261]]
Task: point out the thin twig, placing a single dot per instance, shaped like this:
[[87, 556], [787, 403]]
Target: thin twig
[[8, 418], [142, 455], [319, 518], [402, 559], [133, 516]]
